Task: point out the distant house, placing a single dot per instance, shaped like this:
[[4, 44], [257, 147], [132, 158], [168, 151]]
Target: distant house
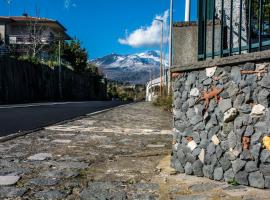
[[30, 34]]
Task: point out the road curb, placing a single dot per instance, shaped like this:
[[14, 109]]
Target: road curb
[[20, 134]]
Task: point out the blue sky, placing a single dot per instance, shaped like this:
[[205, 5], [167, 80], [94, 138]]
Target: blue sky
[[105, 26]]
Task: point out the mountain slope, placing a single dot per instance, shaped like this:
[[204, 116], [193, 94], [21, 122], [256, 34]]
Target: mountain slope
[[134, 68]]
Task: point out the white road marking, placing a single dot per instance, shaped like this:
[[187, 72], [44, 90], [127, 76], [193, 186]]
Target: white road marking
[[39, 104]]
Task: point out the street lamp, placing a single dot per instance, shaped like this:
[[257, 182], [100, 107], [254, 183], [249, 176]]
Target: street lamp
[[187, 12], [161, 56]]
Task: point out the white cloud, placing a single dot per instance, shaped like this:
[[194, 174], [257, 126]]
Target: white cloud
[[69, 3], [148, 36]]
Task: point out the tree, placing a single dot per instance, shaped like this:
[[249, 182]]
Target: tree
[[34, 38], [75, 55]]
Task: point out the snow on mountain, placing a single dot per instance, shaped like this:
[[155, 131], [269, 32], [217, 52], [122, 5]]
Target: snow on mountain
[[133, 68]]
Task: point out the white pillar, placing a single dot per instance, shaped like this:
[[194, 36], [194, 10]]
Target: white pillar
[[187, 12]]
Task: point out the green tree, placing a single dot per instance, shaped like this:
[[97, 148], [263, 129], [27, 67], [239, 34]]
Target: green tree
[[76, 55]]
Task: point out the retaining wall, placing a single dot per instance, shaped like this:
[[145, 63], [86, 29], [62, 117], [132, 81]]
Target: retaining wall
[[227, 140], [22, 81]]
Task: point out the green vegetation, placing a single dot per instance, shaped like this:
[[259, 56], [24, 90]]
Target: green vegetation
[[125, 92], [233, 182], [165, 102]]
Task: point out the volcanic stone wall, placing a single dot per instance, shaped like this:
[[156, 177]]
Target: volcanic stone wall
[[222, 124]]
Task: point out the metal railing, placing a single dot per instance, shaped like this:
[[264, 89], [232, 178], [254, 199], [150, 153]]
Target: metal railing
[[229, 27], [28, 39]]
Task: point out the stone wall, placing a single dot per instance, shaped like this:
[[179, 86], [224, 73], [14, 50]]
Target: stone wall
[[227, 139]]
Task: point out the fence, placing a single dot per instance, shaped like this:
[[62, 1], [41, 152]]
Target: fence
[[244, 27], [22, 81]]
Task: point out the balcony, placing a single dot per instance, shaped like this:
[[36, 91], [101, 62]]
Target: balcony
[[28, 39]]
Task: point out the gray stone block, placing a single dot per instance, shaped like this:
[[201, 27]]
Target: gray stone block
[[237, 165], [218, 174], [267, 181], [242, 177], [256, 179], [197, 167], [188, 168], [251, 166], [265, 156], [208, 171], [265, 169], [225, 104], [225, 163], [229, 175], [178, 166]]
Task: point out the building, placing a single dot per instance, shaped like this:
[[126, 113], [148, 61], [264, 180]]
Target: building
[[30, 35]]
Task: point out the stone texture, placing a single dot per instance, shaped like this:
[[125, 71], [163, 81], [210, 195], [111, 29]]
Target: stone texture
[[192, 145], [40, 156], [210, 71], [258, 110], [215, 140], [225, 104], [237, 165], [12, 192], [197, 167], [229, 175], [251, 166], [9, 180], [50, 195], [256, 179], [242, 177], [194, 92], [218, 174], [188, 168], [230, 115]]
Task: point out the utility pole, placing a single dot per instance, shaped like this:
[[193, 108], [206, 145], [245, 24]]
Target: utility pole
[[161, 56], [9, 7], [187, 12], [59, 69], [171, 32], [170, 46]]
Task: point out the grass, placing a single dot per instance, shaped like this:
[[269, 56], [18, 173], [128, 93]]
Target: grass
[[165, 102]]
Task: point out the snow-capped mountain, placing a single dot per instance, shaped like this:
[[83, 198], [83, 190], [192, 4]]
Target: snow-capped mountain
[[134, 68]]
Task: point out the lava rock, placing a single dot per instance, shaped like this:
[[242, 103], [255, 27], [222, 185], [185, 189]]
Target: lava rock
[[265, 82], [255, 151], [208, 171], [230, 115], [229, 175], [178, 166], [267, 181], [197, 167], [265, 156], [188, 168], [256, 179], [225, 163], [249, 131], [242, 177], [237, 165], [218, 174], [251, 166], [225, 104]]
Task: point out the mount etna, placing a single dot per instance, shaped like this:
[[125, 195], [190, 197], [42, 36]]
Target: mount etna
[[133, 68]]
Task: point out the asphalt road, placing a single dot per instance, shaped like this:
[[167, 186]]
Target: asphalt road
[[27, 117]]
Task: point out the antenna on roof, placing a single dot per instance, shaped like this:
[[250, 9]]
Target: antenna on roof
[[9, 6]]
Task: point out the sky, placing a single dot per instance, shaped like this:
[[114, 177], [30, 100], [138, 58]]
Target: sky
[[107, 26]]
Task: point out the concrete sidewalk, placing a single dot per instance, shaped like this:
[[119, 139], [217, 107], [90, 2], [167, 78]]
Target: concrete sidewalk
[[120, 154]]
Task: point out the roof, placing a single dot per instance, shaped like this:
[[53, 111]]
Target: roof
[[13, 19]]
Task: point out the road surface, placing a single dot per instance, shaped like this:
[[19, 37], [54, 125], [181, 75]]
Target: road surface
[[26, 117]]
